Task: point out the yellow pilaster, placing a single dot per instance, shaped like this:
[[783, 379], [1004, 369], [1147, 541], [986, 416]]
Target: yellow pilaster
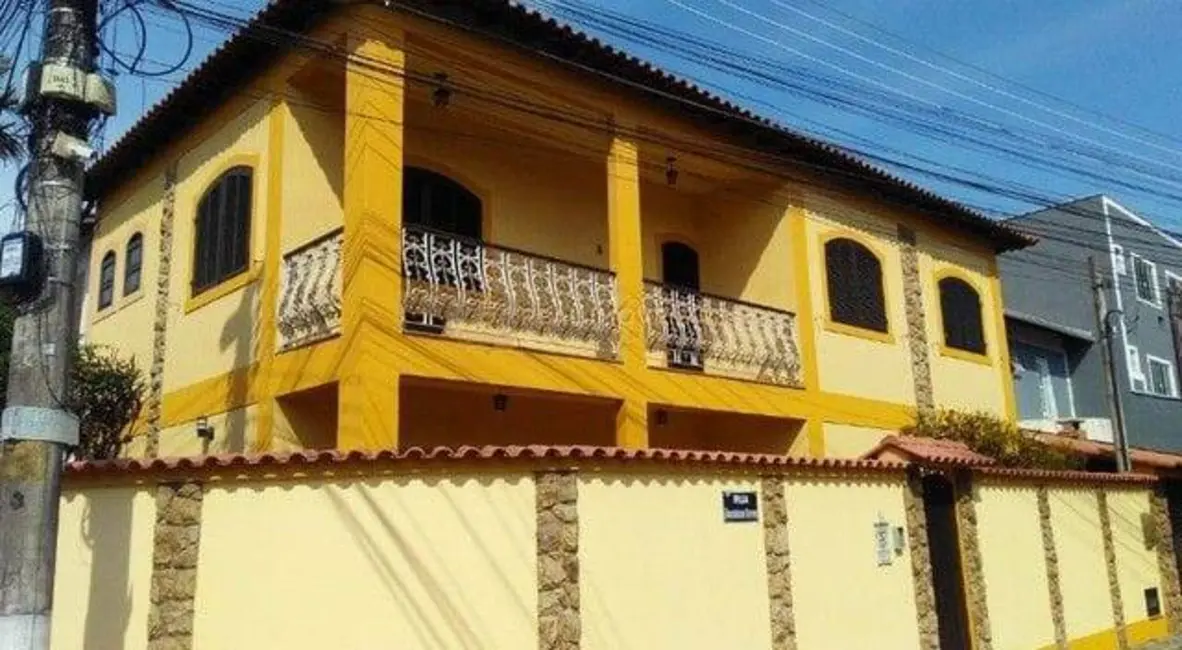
[[623, 194], [1003, 344], [272, 267], [371, 317], [805, 324]]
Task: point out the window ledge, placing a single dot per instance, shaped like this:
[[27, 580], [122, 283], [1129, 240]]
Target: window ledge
[[1145, 393], [965, 355], [227, 287], [859, 332], [117, 306]]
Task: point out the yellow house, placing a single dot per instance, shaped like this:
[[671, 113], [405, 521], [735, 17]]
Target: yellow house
[[360, 227]]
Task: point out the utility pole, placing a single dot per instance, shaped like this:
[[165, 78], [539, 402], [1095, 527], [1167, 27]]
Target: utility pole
[[36, 430], [1108, 352]]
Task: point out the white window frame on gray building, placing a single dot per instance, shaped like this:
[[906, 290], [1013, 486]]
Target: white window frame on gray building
[[1155, 299], [1171, 386]]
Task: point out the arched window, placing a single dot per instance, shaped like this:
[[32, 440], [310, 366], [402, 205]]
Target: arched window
[[437, 202], [133, 264], [679, 265], [107, 280], [222, 248], [856, 295], [960, 308], [448, 219], [681, 275]]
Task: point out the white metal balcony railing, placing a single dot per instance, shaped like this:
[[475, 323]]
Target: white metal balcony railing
[[501, 294], [473, 289], [701, 331], [310, 292]]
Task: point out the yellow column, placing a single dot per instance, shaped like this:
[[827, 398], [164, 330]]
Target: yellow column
[[1001, 341], [624, 243], [371, 316], [272, 268]]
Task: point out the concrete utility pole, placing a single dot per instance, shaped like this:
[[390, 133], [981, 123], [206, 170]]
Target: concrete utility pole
[[36, 429], [1108, 352]]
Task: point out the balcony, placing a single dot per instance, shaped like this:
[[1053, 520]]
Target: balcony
[[468, 289], [310, 293], [701, 332]]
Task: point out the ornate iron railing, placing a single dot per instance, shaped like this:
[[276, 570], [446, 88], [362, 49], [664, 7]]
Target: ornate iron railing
[[702, 331], [310, 292], [460, 284]]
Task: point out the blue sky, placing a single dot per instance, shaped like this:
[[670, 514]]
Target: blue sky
[[1115, 57]]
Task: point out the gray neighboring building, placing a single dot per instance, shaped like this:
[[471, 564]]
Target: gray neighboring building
[[1055, 346]]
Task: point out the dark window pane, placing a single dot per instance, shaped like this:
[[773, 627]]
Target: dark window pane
[[854, 277], [131, 274], [222, 247], [960, 309], [107, 280]]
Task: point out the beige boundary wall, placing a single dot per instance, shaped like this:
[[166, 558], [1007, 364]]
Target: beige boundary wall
[[551, 549]]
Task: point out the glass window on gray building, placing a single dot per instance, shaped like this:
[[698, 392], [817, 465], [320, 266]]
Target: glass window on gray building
[[1041, 382]]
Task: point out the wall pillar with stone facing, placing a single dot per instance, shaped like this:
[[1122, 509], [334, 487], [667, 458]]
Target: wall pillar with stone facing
[[917, 332], [559, 618], [176, 546], [921, 562], [155, 401], [972, 562], [1167, 560], [779, 563], [1054, 585], [1118, 608]]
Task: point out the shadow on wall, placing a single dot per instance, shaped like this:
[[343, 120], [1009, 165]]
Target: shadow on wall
[[106, 531], [377, 528]]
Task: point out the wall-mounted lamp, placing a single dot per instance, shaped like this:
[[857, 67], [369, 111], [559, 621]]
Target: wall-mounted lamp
[[500, 402], [671, 172], [662, 417], [441, 96], [204, 428]]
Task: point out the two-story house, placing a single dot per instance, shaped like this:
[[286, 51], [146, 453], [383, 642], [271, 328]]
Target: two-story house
[[461, 223], [1056, 332]]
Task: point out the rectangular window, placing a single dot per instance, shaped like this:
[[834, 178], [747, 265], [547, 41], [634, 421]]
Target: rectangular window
[[1145, 276], [1161, 377]]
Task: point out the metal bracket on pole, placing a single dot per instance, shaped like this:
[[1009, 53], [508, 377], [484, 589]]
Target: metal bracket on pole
[[36, 423]]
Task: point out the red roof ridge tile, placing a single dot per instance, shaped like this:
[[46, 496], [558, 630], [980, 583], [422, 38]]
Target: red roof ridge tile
[[466, 453]]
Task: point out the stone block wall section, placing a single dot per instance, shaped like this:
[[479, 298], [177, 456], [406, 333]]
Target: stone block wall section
[[972, 562], [779, 563], [921, 563], [1054, 586], [1118, 607], [175, 549], [1167, 561], [559, 619], [917, 333], [160, 325]]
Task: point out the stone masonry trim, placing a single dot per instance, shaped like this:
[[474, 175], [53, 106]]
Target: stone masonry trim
[[160, 325], [1054, 587], [557, 506], [779, 563], [175, 550], [1118, 608], [917, 333], [974, 566], [1166, 560], [921, 563]]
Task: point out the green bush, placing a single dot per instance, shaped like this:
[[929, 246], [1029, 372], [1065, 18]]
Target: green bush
[[106, 393], [992, 436]]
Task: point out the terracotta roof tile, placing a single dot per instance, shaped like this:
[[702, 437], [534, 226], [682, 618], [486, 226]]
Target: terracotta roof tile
[[1065, 476], [931, 451], [251, 48], [1091, 448], [445, 455]]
